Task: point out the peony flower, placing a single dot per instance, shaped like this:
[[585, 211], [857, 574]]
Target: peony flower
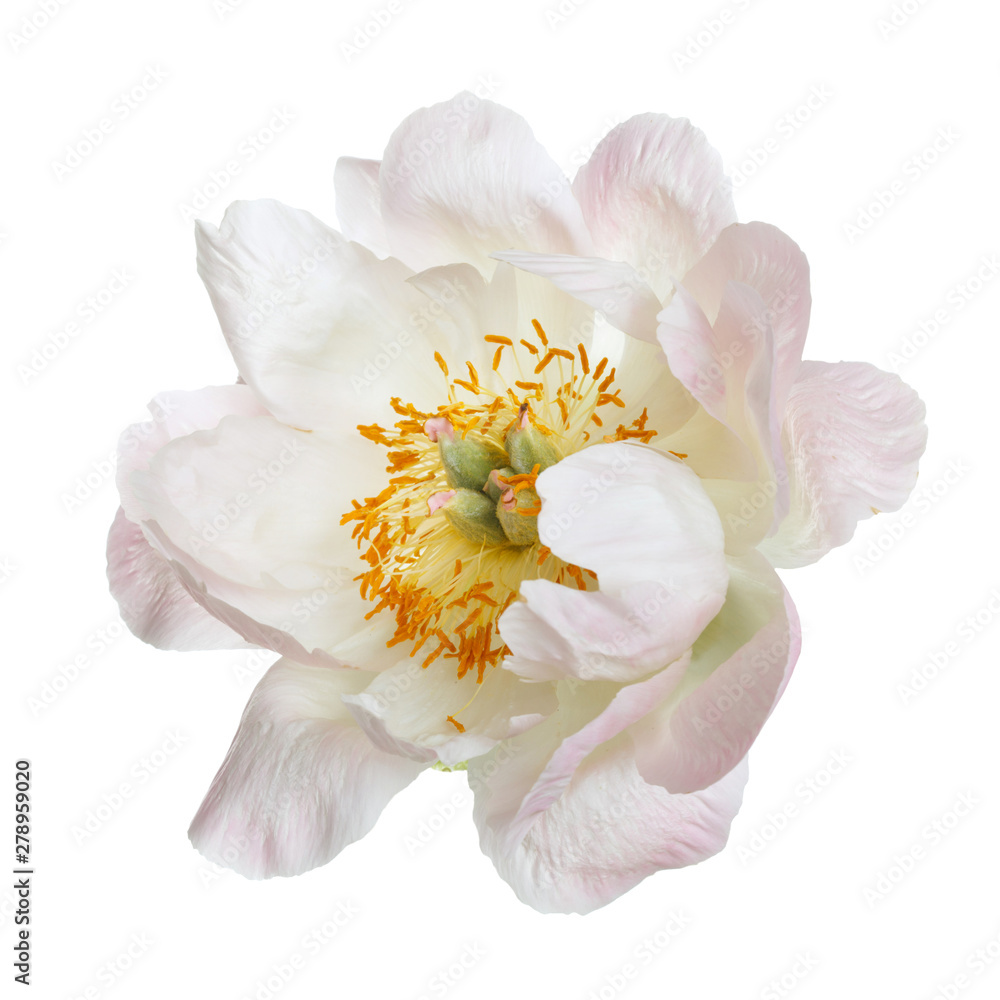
[[504, 480]]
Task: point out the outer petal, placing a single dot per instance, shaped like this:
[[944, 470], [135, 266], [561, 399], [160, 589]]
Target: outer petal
[[251, 511], [300, 781], [309, 317], [764, 258], [589, 828], [739, 667], [358, 203], [153, 602], [654, 194], [258, 501], [467, 177], [611, 830], [643, 523], [853, 436]]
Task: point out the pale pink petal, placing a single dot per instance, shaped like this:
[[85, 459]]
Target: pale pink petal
[[739, 667], [263, 617], [466, 177], [322, 330], [727, 366], [358, 203], [153, 602], [853, 437], [300, 781], [643, 524], [654, 194], [764, 258], [691, 349], [571, 829], [611, 830]]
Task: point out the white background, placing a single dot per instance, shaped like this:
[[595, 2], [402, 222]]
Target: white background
[[793, 906]]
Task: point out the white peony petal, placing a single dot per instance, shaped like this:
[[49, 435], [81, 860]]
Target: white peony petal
[[254, 499], [153, 602], [654, 194], [464, 308], [405, 710], [321, 329], [853, 437], [613, 287], [739, 667], [176, 414], [252, 510], [643, 524], [358, 203], [300, 781], [466, 177], [625, 302]]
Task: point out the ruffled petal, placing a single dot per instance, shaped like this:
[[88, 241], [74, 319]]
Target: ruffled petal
[[739, 667], [570, 829], [320, 328], [300, 781], [466, 177], [654, 194], [643, 524], [853, 437], [765, 259], [729, 368], [611, 830], [153, 602], [359, 210]]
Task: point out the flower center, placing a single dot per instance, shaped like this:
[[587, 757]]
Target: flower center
[[454, 533]]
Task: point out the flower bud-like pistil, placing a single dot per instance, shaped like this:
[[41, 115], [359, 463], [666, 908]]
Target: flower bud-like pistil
[[472, 514]]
